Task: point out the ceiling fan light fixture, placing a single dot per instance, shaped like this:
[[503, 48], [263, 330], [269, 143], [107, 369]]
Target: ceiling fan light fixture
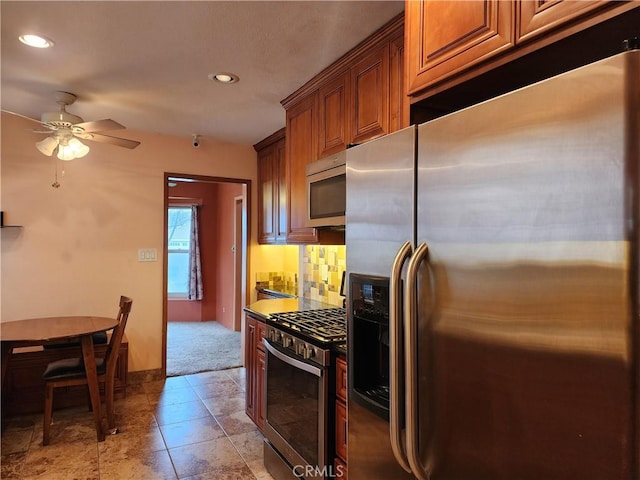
[[74, 148], [47, 146], [37, 41]]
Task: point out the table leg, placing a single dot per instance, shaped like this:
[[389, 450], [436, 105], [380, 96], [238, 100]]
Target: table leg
[[92, 382], [6, 355], [7, 348]]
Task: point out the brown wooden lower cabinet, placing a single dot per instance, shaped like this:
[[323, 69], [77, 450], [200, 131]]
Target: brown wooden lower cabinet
[[255, 364], [340, 469], [261, 359], [25, 387], [340, 463]]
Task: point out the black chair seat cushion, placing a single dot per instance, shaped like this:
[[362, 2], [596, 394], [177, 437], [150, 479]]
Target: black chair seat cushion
[[70, 367], [99, 338]]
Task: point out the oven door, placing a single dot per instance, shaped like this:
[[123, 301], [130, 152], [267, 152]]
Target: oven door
[[296, 423]]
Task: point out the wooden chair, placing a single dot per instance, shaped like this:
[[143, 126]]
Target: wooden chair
[[70, 372]]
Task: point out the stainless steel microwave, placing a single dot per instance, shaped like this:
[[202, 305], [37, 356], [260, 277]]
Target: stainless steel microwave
[[327, 191]]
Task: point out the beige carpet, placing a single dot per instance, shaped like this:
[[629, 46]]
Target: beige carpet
[[194, 347]]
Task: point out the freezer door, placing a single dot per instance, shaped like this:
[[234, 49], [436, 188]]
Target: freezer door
[[528, 297], [380, 201], [379, 221]]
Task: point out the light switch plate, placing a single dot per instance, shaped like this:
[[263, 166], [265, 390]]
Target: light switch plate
[[147, 255]]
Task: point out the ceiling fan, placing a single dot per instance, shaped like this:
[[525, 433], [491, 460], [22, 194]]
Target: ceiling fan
[[66, 128]]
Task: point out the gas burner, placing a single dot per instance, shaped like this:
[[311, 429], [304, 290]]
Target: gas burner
[[326, 325]]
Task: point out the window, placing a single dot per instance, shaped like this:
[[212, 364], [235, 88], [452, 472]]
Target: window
[[179, 225]]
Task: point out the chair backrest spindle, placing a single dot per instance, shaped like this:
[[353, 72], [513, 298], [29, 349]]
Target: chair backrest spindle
[[111, 355]]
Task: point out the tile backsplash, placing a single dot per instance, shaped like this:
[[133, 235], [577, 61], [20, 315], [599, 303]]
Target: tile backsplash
[[322, 267], [286, 282]]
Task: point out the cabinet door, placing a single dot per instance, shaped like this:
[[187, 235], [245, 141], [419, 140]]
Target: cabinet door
[[267, 188], [259, 398], [302, 148], [398, 98], [333, 115], [341, 431], [539, 16], [280, 215], [341, 379], [250, 362], [261, 332], [445, 37], [370, 97]]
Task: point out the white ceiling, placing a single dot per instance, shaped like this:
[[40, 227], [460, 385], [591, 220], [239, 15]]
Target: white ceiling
[[145, 64]]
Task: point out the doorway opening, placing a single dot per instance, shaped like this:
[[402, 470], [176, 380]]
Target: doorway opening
[[205, 272]]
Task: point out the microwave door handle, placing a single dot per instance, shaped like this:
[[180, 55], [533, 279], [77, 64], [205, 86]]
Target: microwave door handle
[[396, 383], [411, 363]]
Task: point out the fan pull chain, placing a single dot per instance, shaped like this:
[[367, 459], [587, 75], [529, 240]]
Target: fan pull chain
[[56, 184]]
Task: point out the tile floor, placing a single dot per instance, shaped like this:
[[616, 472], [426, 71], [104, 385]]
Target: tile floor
[[191, 427]]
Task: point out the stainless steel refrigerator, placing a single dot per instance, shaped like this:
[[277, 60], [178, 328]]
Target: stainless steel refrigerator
[[503, 242]]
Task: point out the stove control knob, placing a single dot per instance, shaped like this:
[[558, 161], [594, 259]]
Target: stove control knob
[[287, 341], [308, 352]]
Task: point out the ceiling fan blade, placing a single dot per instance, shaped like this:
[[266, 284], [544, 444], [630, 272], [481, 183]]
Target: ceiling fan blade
[[100, 125], [23, 116], [102, 138]]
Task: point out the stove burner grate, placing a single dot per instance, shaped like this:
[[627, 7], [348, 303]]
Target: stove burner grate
[[326, 325]]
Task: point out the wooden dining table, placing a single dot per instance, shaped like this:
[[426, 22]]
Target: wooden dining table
[[41, 331]]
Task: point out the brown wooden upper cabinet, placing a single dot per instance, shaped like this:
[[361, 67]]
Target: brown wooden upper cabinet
[[358, 97], [537, 17], [272, 189], [333, 108], [302, 143], [362, 95], [369, 112], [449, 41], [448, 36]]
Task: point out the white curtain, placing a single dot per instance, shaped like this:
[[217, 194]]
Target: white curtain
[[195, 268]]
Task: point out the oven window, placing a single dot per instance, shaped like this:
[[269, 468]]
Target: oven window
[[292, 406]]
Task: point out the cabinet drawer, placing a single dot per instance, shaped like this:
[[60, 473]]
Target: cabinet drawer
[[262, 332], [341, 379]]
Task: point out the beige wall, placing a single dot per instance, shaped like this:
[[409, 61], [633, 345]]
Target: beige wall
[[77, 250]]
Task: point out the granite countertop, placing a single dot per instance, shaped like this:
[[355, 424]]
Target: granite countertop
[[264, 308]]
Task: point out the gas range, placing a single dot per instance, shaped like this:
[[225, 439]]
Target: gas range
[[299, 378], [322, 327], [307, 335]]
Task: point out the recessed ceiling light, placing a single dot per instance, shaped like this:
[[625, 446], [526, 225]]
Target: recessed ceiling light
[[226, 78], [36, 41]]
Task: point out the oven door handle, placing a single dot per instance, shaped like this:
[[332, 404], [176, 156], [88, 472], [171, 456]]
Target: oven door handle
[[291, 361]]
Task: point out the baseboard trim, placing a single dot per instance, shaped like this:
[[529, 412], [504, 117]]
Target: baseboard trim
[[142, 376]]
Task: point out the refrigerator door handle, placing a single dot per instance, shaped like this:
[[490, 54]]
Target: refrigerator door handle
[[396, 400], [411, 363]]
